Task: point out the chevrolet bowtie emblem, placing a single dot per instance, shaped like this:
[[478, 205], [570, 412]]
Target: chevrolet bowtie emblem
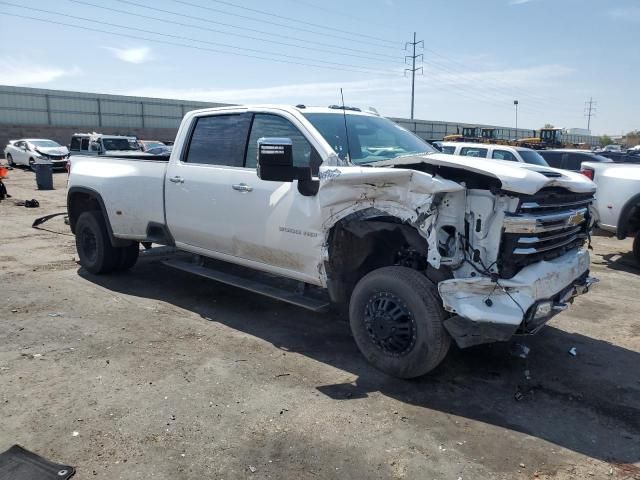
[[576, 219]]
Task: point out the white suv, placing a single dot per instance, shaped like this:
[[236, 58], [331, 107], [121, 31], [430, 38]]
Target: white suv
[[495, 152]]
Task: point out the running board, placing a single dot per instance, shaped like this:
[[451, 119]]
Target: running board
[[251, 284]]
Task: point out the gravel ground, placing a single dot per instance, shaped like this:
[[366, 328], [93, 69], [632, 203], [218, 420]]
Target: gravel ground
[[155, 373]]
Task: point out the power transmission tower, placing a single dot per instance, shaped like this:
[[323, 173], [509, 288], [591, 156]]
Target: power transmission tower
[[413, 68], [589, 111]]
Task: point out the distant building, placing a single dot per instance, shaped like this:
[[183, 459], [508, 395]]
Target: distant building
[[578, 131]]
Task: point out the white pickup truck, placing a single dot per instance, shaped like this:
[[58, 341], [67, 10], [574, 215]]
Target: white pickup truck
[[616, 207], [336, 207]]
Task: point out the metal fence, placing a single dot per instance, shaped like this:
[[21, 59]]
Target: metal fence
[[57, 108], [30, 106]]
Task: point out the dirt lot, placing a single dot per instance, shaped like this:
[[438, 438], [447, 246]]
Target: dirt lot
[[155, 373]]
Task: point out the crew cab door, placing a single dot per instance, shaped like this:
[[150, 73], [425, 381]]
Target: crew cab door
[[201, 211], [276, 225]]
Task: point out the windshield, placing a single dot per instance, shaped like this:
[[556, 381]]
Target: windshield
[[45, 143], [118, 144], [149, 145], [371, 139], [534, 158]]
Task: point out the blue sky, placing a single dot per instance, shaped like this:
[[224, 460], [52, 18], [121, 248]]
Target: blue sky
[[551, 55]]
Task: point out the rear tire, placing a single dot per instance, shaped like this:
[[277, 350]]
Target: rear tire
[[10, 160], [636, 247], [93, 244], [397, 320], [128, 256]]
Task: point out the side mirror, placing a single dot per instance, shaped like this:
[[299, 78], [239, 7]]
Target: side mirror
[[275, 160]]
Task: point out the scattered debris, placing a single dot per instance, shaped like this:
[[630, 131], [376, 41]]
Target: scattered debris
[[56, 314], [518, 396], [522, 465], [527, 374], [252, 468], [282, 375], [573, 351], [75, 434], [173, 417]]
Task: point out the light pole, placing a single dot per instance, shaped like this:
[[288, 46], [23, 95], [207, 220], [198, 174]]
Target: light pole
[[515, 102]]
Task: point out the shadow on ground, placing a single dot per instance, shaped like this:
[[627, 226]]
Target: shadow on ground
[[587, 403]]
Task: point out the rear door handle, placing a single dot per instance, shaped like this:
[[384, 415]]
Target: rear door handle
[[242, 187], [176, 179]]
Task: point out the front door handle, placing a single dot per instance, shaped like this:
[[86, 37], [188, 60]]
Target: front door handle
[[242, 187], [176, 179]]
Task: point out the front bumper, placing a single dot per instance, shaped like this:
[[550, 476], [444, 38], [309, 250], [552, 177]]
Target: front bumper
[[485, 311]]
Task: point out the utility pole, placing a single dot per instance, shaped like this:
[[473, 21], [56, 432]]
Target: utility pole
[[515, 102], [413, 68], [589, 111]]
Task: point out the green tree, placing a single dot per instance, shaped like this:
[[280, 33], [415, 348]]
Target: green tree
[[549, 125], [605, 140]]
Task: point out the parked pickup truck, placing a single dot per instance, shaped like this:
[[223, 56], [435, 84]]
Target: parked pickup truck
[[617, 204], [356, 212]]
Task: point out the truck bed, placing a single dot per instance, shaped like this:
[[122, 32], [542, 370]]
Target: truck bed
[[132, 189]]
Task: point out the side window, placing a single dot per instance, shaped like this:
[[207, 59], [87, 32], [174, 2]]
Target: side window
[[448, 149], [503, 155], [474, 152], [267, 125], [554, 159], [85, 144], [574, 160], [218, 140], [75, 143]]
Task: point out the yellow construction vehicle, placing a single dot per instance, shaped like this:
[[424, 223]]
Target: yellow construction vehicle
[[548, 138], [469, 134]]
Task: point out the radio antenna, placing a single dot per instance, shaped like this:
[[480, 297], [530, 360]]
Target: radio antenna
[[346, 128]]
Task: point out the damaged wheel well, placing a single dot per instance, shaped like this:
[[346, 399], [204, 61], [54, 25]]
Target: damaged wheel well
[[367, 240], [630, 218]]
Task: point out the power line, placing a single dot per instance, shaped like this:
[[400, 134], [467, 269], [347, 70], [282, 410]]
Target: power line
[[590, 111], [179, 37], [340, 14], [248, 29], [194, 47], [283, 25], [413, 68], [324, 26], [199, 27]]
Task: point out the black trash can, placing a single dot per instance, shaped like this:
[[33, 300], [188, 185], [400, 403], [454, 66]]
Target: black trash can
[[44, 176]]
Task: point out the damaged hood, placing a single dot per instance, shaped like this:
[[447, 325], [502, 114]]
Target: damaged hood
[[52, 150], [514, 177]]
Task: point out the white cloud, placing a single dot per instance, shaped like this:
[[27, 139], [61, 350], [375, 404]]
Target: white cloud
[[24, 72], [626, 13], [519, 2], [131, 55], [389, 95]]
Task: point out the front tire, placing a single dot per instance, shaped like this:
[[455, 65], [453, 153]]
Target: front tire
[[32, 164], [397, 321], [128, 256], [636, 247], [93, 244], [10, 161]]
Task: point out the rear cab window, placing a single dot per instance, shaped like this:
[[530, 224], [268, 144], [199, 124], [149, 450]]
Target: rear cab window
[[84, 144], [218, 140], [448, 149]]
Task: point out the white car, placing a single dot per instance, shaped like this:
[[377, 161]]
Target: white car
[[616, 208], [495, 152], [30, 151]]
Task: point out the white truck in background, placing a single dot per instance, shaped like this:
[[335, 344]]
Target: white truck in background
[[616, 207], [344, 208]]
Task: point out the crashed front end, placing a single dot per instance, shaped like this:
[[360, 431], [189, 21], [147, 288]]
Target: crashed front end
[[524, 259]]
